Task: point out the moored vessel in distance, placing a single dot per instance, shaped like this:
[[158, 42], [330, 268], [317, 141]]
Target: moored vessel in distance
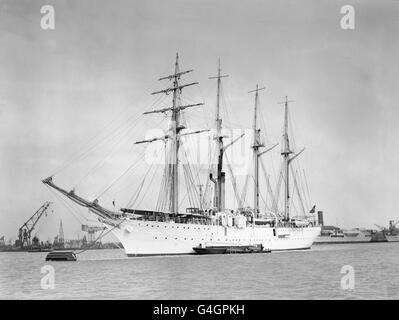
[[336, 235], [390, 234], [168, 229], [332, 234]]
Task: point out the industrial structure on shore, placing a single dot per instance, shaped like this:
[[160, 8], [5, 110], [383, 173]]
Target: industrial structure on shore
[[28, 241]]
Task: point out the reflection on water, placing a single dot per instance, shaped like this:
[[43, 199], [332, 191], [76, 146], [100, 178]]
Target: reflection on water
[[109, 274]]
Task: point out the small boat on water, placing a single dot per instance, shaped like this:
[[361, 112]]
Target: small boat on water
[[218, 249], [61, 256], [210, 250], [247, 249]]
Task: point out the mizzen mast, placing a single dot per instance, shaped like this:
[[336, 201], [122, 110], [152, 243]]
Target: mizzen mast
[[285, 152], [219, 201], [256, 145]]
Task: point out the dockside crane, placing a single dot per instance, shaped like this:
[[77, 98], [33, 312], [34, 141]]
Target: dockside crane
[[393, 223], [391, 230], [25, 231]]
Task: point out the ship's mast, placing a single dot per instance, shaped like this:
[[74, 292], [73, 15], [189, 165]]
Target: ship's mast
[[256, 145], [285, 152], [174, 135], [174, 186], [219, 201]]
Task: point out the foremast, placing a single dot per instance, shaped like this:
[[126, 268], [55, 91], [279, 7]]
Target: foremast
[[172, 163], [175, 140]]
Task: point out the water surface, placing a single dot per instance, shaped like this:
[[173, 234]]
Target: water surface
[[109, 274]]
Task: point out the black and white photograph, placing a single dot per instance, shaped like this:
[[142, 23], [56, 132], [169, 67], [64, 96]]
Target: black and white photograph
[[199, 150]]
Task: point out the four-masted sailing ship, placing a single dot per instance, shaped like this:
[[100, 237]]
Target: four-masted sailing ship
[[165, 232]]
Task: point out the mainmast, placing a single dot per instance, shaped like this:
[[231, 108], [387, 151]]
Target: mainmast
[[219, 201], [256, 145]]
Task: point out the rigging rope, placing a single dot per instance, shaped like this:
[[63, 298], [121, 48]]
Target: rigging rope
[[191, 190], [307, 188], [278, 189], [86, 152], [152, 179], [298, 193], [269, 188], [116, 180], [134, 198], [79, 155], [234, 183], [245, 189], [102, 161]]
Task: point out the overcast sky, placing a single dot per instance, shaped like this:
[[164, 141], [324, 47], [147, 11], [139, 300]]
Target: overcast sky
[[58, 88]]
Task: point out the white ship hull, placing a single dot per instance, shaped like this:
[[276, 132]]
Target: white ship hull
[[166, 238]]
